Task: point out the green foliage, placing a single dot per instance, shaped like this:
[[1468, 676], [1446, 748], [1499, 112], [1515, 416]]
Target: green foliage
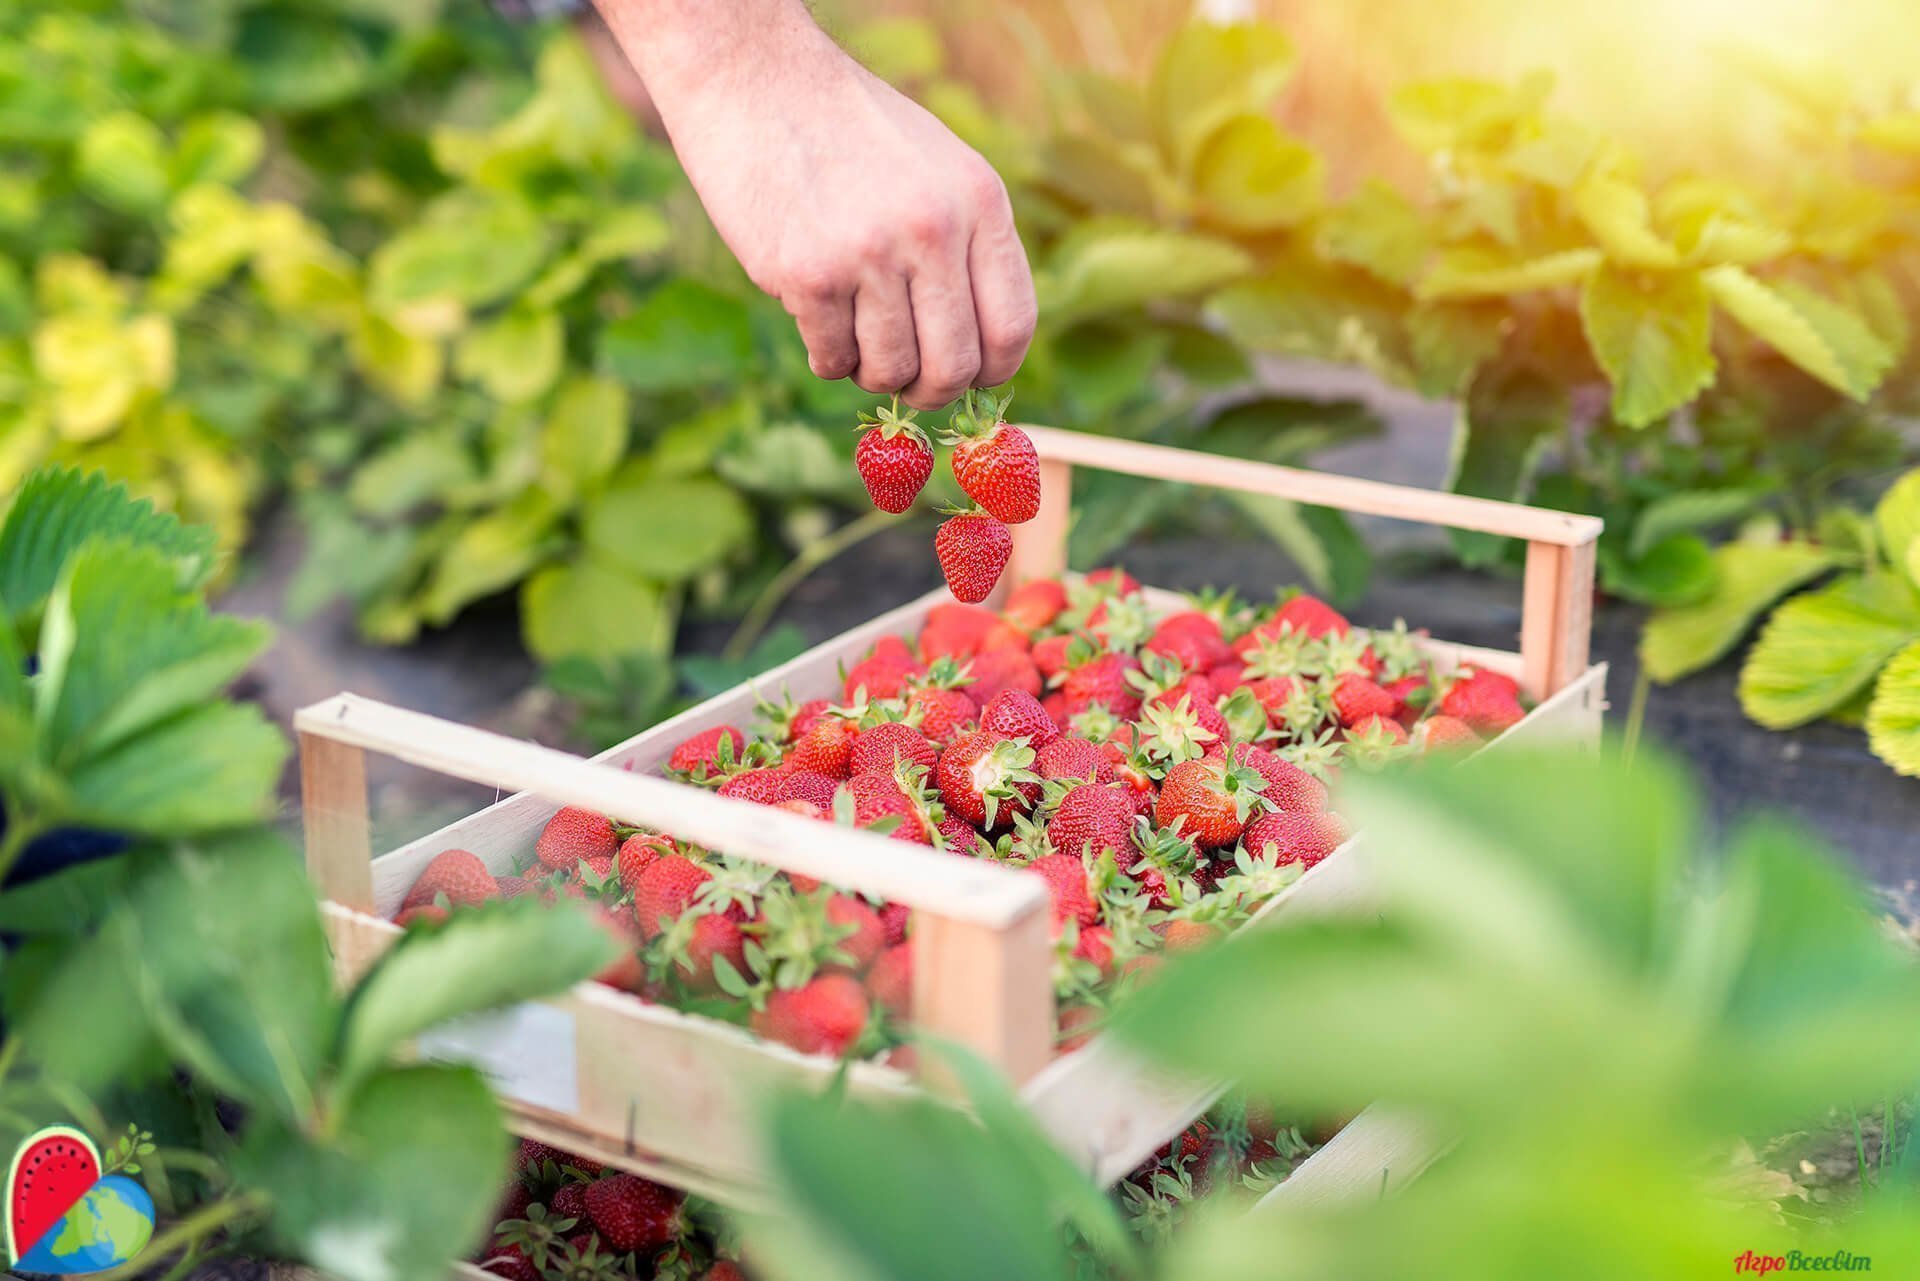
[[1824, 653], [1556, 974], [186, 962]]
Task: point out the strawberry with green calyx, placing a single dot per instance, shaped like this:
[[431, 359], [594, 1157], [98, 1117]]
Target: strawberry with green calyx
[[631, 1213], [664, 891], [1355, 698], [1257, 875], [995, 463], [1075, 758], [795, 937], [710, 751], [825, 1015], [1101, 680], [1067, 885], [879, 748], [940, 701], [1295, 837], [1287, 786], [1245, 715], [1399, 652], [1442, 733], [986, 778], [1318, 754], [787, 720], [1350, 653], [1190, 637], [1209, 800], [540, 1236], [1488, 702], [957, 836], [639, 852], [458, 875], [973, 549], [573, 834], [1014, 713], [894, 457], [1180, 732], [1282, 653], [1090, 818], [1376, 743]]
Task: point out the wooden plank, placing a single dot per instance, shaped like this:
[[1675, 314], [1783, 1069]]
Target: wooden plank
[[1040, 545], [1324, 489], [1378, 1152], [965, 889], [658, 1087], [991, 991], [1556, 617], [333, 806]]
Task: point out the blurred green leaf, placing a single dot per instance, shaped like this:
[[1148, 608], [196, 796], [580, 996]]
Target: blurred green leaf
[[1896, 518], [1653, 337], [490, 554], [1893, 718], [683, 335], [515, 357], [1751, 576], [122, 159], [58, 509], [1208, 73], [785, 459], [219, 147], [477, 960], [1251, 176], [1114, 265], [1689, 511], [470, 247], [205, 770], [667, 530], [1502, 428], [1823, 337], [584, 438], [587, 608], [298, 60], [417, 468], [1677, 570]]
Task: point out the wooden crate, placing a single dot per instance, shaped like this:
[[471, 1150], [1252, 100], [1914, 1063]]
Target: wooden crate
[[674, 1096]]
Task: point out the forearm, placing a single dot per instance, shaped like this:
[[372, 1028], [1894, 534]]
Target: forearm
[[685, 49]]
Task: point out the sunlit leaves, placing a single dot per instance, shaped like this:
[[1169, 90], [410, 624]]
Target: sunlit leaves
[[1475, 271], [1653, 336], [1108, 265], [1893, 718], [470, 248], [1819, 335], [1821, 648], [1252, 177], [1208, 73], [1896, 519], [1751, 576], [585, 436], [515, 357]]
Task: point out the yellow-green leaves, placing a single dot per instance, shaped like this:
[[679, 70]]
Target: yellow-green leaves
[[1896, 520], [1652, 334], [1750, 577], [1115, 264], [1822, 648], [471, 248], [1893, 718], [514, 357], [1446, 114], [1209, 73], [590, 608], [97, 366], [1483, 271], [1251, 176], [1824, 338], [122, 159]]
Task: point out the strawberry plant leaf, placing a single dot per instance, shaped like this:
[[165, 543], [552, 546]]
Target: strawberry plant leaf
[[205, 770], [1617, 214], [471, 247], [1652, 334], [59, 508], [584, 437], [1893, 718], [1677, 570], [1751, 576], [1689, 511], [514, 357], [417, 468], [584, 608], [1250, 175], [1380, 230], [123, 649], [1209, 73], [683, 335], [1896, 519], [1826, 339], [1470, 271], [480, 959], [1114, 264], [1823, 647], [490, 554], [404, 1182], [667, 529]]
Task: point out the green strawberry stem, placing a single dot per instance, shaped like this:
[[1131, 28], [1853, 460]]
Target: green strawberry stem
[[781, 585]]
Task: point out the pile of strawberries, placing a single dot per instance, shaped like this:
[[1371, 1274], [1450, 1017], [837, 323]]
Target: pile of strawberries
[[995, 465], [1165, 772], [563, 1217]]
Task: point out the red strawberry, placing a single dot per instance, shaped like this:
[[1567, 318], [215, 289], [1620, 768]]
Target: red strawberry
[[1035, 603], [943, 712], [869, 937], [960, 836], [1446, 733], [514, 1200], [882, 676], [896, 917], [761, 786], [427, 912], [1272, 693], [632, 1213], [625, 970], [1089, 819], [878, 750], [510, 1263], [985, 779], [1210, 800], [894, 458], [997, 669], [1225, 677], [890, 981], [1356, 699], [459, 875], [600, 865], [891, 646], [569, 1201], [701, 755], [826, 748], [1407, 695], [814, 788], [1004, 635], [1103, 680], [1295, 838], [1056, 708], [1284, 784], [1095, 944], [714, 935], [1304, 613], [1066, 878], [1192, 638], [995, 464], [512, 887], [879, 796], [1381, 731], [1015, 713], [724, 1270], [665, 890], [1116, 581], [1068, 757], [826, 1016], [1488, 702], [638, 853], [954, 630], [1183, 935], [973, 550], [804, 717], [574, 834], [1050, 654]]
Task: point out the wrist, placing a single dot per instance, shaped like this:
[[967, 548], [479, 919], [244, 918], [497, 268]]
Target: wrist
[[687, 51]]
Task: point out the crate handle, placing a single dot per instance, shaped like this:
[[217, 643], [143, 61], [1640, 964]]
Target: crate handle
[[1557, 605], [982, 939]]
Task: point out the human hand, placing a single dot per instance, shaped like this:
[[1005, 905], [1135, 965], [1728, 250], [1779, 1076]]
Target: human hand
[[889, 241]]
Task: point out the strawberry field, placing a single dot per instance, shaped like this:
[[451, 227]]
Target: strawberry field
[[1386, 749]]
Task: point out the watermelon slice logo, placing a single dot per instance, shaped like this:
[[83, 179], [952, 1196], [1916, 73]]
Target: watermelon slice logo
[[63, 1218]]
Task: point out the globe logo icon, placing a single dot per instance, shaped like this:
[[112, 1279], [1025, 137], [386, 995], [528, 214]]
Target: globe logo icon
[[64, 1217]]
